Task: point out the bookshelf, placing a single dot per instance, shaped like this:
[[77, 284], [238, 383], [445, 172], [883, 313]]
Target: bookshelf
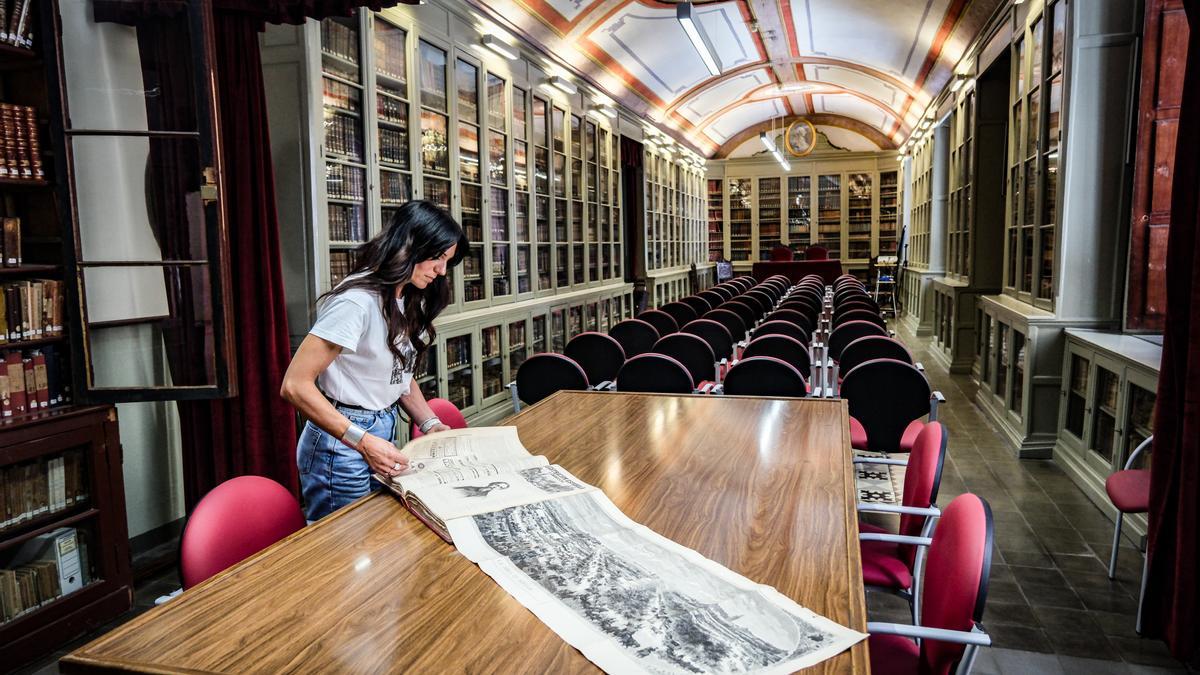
[[741, 219], [889, 212], [829, 213], [60, 467], [532, 174], [799, 209], [769, 221], [676, 234]]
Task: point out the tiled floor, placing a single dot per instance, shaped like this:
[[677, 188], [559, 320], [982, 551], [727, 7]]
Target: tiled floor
[[1050, 595], [1050, 608]]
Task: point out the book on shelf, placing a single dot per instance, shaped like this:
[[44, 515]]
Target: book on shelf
[[16, 23], [42, 570], [466, 472], [31, 381], [31, 309], [44, 485], [22, 157]]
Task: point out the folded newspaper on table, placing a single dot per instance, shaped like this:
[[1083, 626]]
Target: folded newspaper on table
[[628, 598]]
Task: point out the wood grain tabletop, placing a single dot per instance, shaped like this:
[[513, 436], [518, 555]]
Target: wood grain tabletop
[[762, 486]]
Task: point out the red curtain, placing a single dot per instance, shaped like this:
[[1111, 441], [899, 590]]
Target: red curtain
[[1172, 604]]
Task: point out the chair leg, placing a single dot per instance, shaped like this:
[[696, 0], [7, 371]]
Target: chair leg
[[1137, 626], [1112, 561]]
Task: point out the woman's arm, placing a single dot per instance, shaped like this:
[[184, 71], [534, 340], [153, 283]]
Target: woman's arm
[[300, 389], [417, 408]]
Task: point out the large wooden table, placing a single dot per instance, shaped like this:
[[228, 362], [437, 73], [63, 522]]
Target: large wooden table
[[763, 486]]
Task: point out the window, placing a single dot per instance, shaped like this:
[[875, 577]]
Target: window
[[149, 234]]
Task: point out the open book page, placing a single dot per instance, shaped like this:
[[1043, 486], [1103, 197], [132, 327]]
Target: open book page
[[462, 447], [454, 471], [500, 491], [632, 600]]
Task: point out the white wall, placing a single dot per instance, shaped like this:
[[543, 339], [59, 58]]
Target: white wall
[[105, 91]]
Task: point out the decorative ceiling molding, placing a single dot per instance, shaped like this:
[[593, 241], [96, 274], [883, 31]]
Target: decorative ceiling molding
[[753, 96], [819, 119]]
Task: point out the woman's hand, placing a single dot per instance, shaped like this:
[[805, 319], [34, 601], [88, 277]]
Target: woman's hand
[[382, 456], [437, 427]]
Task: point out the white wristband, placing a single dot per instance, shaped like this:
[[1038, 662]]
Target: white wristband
[[429, 424], [354, 435]]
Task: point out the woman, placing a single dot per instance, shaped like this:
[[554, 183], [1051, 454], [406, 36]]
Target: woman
[[356, 364]]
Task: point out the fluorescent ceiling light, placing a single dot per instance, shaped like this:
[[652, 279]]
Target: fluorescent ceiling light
[[767, 142], [782, 162], [562, 84], [500, 47], [607, 111], [695, 32]]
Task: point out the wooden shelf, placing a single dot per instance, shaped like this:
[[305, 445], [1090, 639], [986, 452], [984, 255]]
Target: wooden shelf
[[36, 342], [22, 270], [23, 183], [47, 522]]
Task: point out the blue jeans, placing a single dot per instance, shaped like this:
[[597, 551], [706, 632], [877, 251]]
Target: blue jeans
[[333, 474]]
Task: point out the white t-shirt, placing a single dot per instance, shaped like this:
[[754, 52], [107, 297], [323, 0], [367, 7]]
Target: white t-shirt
[[365, 373]]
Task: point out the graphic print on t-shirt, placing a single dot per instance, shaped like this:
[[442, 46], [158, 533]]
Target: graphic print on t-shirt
[[398, 368]]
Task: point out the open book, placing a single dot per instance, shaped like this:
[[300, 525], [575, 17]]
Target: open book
[[465, 472]]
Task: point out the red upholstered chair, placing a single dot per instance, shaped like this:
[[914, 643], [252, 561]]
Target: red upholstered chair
[[718, 338], [731, 320], [694, 353], [543, 374], [700, 304], [886, 396], [850, 331], [895, 567], [636, 336], [237, 519], [748, 311], [781, 253], [682, 312], [764, 376], [781, 326], [952, 600], [816, 253], [860, 315], [600, 356], [783, 347], [664, 323], [445, 411], [1129, 491], [654, 373]]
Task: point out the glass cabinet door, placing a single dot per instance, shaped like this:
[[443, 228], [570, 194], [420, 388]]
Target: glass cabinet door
[[741, 216], [1002, 362], [859, 189], [574, 321], [799, 205], [521, 180], [497, 174], [889, 211], [558, 329], [539, 334], [518, 346], [426, 375], [492, 361], [716, 220], [391, 112], [466, 82], [1104, 413], [1018, 377], [1077, 392], [829, 214], [769, 221], [459, 376], [1139, 424], [345, 160]]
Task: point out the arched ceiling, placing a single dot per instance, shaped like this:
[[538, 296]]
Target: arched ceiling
[[868, 67]]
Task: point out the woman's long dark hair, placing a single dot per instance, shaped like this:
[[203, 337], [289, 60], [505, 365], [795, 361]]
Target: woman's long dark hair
[[418, 231]]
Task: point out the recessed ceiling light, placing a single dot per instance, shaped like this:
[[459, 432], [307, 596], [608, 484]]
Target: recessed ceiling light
[[500, 47]]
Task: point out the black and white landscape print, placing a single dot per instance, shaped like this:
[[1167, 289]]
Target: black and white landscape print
[[551, 479], [662, 608]]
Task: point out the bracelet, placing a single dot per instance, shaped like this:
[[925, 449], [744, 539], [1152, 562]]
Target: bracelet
[[354, 435], [429, 424]]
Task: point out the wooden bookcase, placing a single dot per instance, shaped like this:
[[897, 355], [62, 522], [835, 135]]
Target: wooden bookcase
[[60, 466]]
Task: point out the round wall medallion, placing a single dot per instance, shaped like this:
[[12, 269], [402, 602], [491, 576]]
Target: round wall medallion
[[801, 138]]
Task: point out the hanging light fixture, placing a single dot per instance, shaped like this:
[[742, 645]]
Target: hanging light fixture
[[767, 142], [685, 13]]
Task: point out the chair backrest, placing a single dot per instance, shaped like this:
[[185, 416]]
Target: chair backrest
[[779, 253], [235, 520], [886, 395], [853, 304], [803, 320], [764, 376], [543, 374], [655, 373], [872, 347], [782, 347], [692, 351], [636, 336], [714, 296], [813, 279], [846, 333], [445, 411], [682, 312], [664, 323], [746, 310], [744, 282], [726, 291], [807, 306], [699, 304], [732, 321], [716, 335], [755, 301], [860, 315], [922, 478], [848, 294], [816, 253], [764, 298], [956, 572], [600, 355], [774, 326]]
